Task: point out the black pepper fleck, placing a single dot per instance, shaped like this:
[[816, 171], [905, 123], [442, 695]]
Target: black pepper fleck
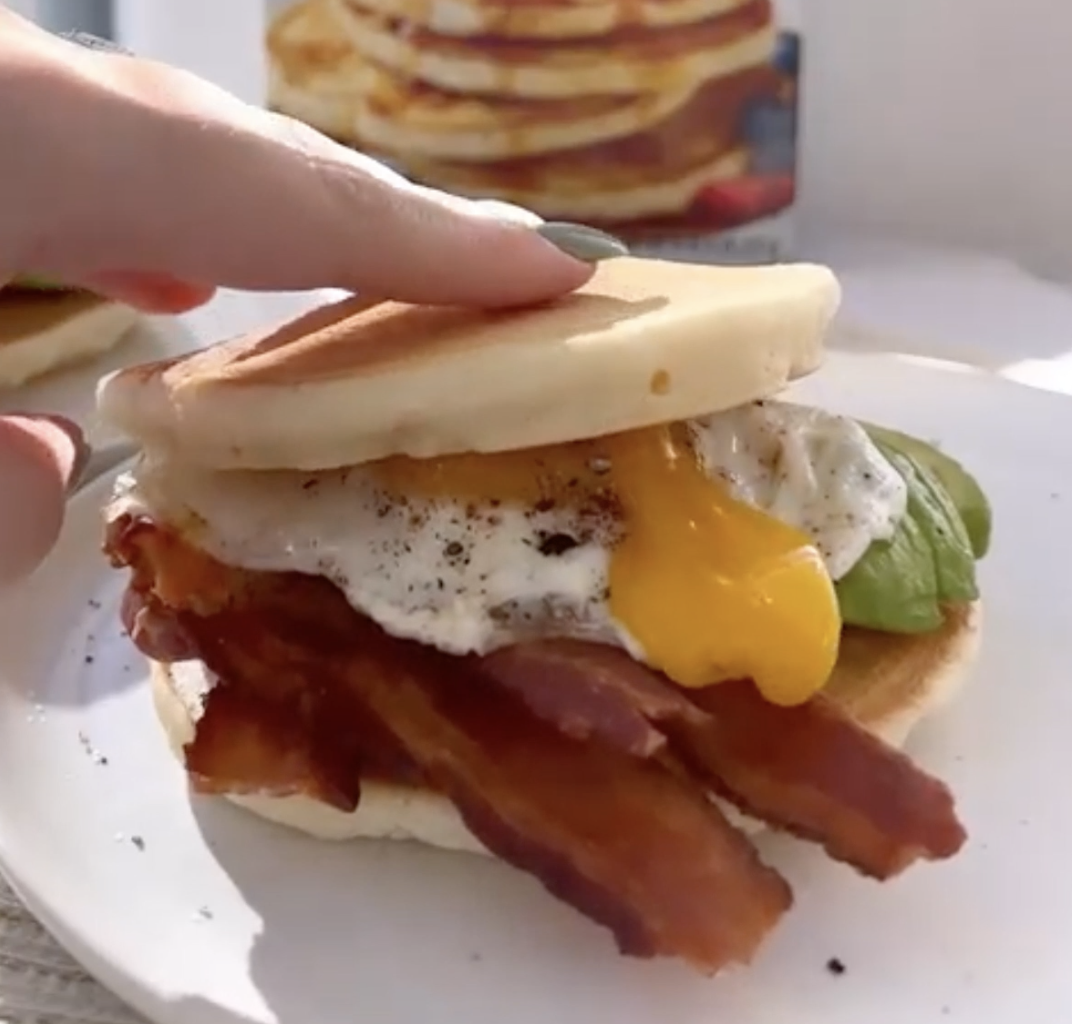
[[835, 966], [137, 842], [554, 545]]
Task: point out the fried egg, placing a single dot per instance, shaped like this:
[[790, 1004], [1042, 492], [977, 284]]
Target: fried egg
[[706, 549]]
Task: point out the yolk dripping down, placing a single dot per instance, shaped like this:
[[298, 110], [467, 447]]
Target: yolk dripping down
[[710, 588]]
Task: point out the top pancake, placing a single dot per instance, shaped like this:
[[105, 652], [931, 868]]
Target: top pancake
[[644, 342]]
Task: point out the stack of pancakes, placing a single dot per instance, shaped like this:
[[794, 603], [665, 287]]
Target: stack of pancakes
[[606, 111]]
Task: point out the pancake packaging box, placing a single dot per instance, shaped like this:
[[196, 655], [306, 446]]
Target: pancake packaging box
[[672, 123]]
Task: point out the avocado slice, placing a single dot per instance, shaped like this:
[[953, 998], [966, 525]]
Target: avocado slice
[[894, 587], [958, 483], [900, 585], [936, 514]]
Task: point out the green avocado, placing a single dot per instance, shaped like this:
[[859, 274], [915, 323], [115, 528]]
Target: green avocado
[[933, 509], [900, 585], [894, 587], [959, 484]]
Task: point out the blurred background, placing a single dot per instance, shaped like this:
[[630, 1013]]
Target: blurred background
[[933, 120]]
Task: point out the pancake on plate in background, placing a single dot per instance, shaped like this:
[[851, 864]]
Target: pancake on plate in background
[[617, 112], [45, 327]]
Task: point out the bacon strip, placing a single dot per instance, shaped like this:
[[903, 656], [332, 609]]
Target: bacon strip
[[243, 745], [587, 695], [813, 771], [808, 769], [619, 838], [154, 630]]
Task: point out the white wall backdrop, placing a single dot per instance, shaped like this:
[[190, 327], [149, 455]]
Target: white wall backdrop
[[942, 120]]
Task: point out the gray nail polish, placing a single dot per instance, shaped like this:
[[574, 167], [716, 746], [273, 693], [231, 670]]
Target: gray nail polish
[[92, 42], [582, 242]]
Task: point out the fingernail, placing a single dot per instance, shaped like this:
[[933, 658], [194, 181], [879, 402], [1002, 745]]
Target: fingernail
[[92, 42], [582, 242]]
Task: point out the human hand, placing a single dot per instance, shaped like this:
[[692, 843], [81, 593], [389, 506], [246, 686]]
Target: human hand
[[40, 457], [146, 183]]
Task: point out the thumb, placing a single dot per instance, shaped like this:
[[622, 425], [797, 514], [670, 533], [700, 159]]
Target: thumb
[[39, 457]]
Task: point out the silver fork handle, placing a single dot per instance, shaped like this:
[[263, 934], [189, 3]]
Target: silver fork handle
[[102, 461]]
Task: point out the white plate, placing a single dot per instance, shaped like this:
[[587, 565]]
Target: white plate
[[220, 917]]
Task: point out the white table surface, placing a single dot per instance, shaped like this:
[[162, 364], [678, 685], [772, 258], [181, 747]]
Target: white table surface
[[940, 304]]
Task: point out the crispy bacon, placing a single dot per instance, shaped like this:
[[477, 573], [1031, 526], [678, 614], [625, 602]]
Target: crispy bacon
[[271, 725], [623, 840], [813, 771], [153, 629], [569, 760], [243, 744], [587, 694], [808, 769], [619, 838]]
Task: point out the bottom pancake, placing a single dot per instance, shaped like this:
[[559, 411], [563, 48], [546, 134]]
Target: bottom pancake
[[887, 682]]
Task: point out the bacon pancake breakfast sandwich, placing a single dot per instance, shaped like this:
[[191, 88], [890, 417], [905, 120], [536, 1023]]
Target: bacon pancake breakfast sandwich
[[44, 327], [566, 585]]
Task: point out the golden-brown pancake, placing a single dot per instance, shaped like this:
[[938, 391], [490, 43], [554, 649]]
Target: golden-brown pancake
[[42, 330], [653, 173], [630, 60], [360, 380], [316, 75], [547, 19]]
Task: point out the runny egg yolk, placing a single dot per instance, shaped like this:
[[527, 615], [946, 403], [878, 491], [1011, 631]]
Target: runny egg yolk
[[710, 588]]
